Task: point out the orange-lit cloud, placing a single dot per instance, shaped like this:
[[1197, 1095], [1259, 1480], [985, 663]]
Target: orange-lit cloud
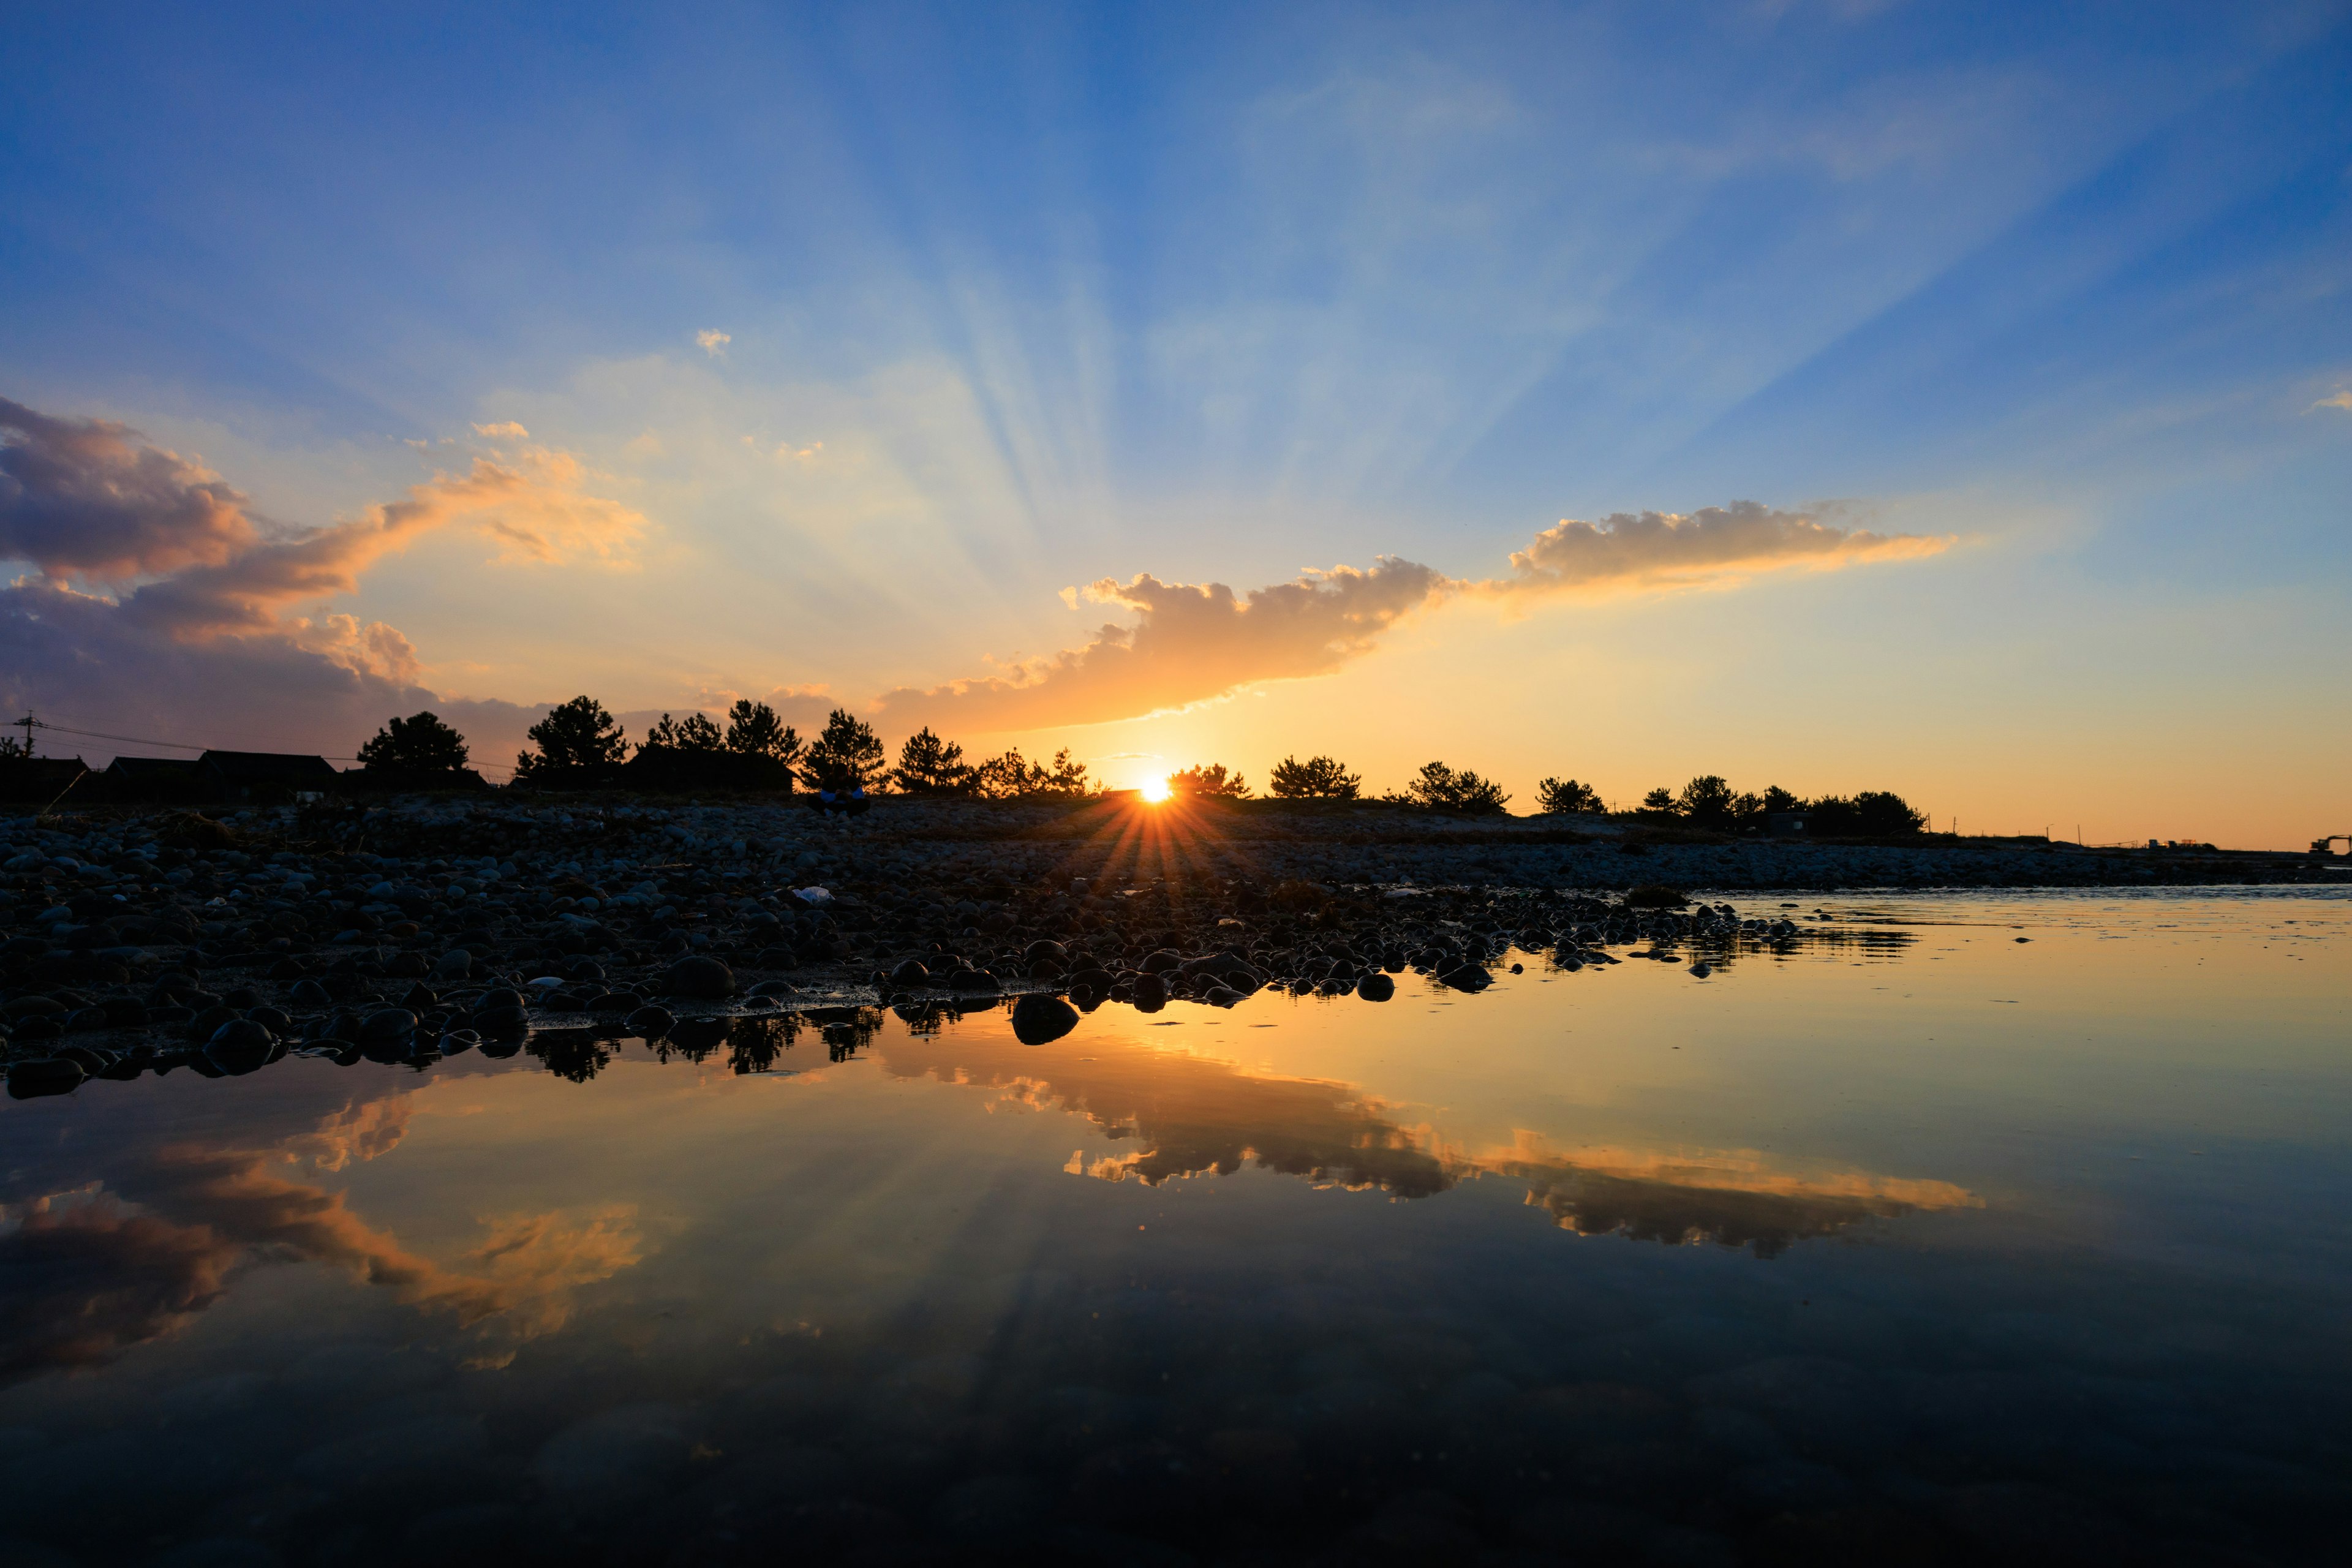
[[1714, 546], [534, 506], [1190, 642]]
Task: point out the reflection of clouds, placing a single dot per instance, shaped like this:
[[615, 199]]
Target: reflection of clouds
[[361, 1132], [1733, 1199], [91, 1274], [88, 1277], [1192, 1114]]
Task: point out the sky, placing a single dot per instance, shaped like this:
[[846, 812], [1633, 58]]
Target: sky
[[1950, 399]]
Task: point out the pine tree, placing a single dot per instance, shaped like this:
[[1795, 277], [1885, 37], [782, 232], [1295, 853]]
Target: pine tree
[[1318, 778], [574, 734]]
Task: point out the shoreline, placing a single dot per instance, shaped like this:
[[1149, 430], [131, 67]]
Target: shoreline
[[413, 929]]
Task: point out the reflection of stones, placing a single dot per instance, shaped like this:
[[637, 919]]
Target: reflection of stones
[[1038, 1020]]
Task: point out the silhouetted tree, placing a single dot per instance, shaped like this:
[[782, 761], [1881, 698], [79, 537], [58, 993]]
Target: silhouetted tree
[[1210, 779], [1064, 777], [930, 765], [695, 733], [1004, 777], [754, 730], [419, 744], [1705, 802], [1659, 802], [1441, 788], [847, 755], [574, 734], [1556, 797], [1778, 799], [1873, 814], [1013, 776], [1318, 778]]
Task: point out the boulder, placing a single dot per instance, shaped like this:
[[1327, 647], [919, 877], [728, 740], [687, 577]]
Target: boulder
[[701, 977]]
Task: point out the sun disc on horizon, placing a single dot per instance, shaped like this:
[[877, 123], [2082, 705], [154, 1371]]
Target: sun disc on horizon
[[1155, 790]]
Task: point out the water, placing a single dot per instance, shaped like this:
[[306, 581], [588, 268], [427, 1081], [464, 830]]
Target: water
[[1926, 1244]]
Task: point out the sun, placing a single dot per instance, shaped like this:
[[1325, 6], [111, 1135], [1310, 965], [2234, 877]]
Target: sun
[[1155, 790]]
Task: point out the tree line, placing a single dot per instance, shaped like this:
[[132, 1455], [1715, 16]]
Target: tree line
[[579, 739]]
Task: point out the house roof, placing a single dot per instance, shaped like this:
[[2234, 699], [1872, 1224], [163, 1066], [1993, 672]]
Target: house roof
[[268, 767], [151, 767]]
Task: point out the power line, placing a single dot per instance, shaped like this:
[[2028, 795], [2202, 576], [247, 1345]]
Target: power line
[[28, 723]]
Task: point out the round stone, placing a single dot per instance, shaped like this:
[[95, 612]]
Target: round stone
[[701, 977]]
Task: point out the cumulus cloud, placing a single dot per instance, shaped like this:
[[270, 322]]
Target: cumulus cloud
[[505, 430], [714, 341], [1190, 642], [2340, 400], [88, 497], [1713, 546], [209, 630]]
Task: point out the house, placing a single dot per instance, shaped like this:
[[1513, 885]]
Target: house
[[250, 775], [1787, 823], [157, 779], [38, 779]]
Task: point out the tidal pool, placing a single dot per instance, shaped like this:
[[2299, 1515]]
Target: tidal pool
[[2006, 1227]]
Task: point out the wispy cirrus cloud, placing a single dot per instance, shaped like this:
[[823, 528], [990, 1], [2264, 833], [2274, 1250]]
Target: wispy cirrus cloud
[[2340, 400]]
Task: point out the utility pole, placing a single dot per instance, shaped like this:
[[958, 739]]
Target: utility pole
[[28, 724]]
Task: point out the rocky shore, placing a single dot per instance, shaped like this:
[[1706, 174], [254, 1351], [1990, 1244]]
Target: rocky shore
[[426, 927]]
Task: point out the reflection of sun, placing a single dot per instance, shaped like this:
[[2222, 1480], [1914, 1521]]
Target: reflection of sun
[[1155, 790]]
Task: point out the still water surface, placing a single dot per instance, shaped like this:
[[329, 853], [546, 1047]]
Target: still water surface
[[1929, 1245]]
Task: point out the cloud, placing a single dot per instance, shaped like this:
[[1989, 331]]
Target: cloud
[[1185, 1115], [714, 341], [2341, 400], [88, 1278], [88, 497], [208, 648], [1191, 643], [92, 1274], [507, 431], [534, 507], [1714, 546]]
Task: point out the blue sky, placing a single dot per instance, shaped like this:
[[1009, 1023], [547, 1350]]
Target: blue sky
[[1016, 298]]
